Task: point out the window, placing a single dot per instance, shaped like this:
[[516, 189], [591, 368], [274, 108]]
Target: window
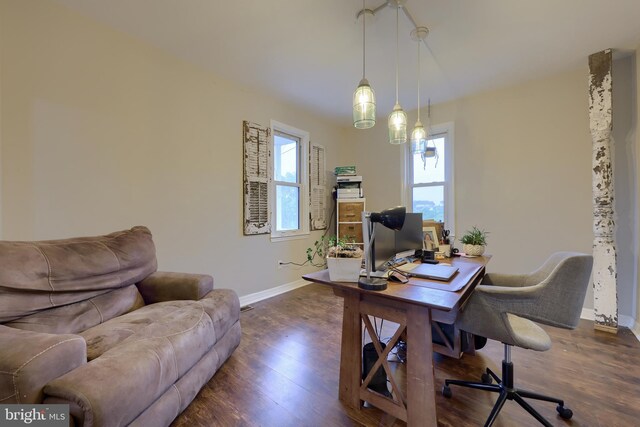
[[429, 182], [290, 181]]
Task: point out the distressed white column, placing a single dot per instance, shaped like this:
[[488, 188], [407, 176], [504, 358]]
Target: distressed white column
[[604, 248]]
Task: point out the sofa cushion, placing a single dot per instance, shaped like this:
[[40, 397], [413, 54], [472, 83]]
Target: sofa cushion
[[148, 351], [29, 360], [77, 317], [35, 276], [221, 306]]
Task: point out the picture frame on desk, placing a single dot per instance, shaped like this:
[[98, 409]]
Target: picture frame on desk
[[430, 238], [439, 226]]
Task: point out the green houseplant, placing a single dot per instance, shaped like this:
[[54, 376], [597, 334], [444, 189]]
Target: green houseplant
[[474, 241], [343, 257], [344, 260]]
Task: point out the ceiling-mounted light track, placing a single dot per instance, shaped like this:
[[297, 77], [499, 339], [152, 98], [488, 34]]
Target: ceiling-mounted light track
[[397, 121], [396, 4]]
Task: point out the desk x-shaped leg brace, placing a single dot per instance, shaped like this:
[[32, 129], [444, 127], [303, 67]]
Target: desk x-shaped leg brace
[[417, 406]]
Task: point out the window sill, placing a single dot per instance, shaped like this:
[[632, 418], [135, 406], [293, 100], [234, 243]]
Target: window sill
[[287, 237]]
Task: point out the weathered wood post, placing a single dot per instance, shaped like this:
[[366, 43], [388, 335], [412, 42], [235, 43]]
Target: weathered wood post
[[604, 248]]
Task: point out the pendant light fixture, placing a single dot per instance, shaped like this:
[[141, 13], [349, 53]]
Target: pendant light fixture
[[398, 118], [364, 99], [419, 134], [430, 150]]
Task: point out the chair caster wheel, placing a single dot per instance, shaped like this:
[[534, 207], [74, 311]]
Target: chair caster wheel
[[565, 413], [486, 378], [446, 391]]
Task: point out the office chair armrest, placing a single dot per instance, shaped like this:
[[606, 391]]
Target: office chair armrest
[[488, 305], [508, 293], [521, 301], [510, 280]]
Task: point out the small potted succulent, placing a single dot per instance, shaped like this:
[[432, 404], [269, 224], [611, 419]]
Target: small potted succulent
[[474, 241]]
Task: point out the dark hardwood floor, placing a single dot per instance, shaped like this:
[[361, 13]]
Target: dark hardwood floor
[[285, 373]]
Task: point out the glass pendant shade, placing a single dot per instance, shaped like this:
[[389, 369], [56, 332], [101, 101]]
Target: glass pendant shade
[[397, 126], [364, 106], [418, 139]]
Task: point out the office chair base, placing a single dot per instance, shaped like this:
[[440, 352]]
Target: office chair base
[[506, 391]]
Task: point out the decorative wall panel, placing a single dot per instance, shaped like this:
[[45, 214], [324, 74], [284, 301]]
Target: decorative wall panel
[[257, 178]]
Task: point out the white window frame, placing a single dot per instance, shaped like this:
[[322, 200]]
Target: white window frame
[[303, 184], [446, 129]]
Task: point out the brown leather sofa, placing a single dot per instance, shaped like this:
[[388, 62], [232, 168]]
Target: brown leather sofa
[[89, 322]]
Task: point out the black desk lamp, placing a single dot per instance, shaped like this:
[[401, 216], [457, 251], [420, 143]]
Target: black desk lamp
[[392, 218]]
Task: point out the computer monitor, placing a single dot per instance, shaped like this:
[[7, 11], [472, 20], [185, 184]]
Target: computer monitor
[[410, 236], [388, 243], [383, 248]]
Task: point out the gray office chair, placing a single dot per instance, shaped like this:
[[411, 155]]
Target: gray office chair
[[504, 308]]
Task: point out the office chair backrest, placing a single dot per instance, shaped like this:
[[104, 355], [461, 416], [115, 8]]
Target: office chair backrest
[[564, 278]]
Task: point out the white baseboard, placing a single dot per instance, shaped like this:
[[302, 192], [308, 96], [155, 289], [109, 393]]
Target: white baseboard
[[271, 292], [588, 314], [626, 321], [636, 329]]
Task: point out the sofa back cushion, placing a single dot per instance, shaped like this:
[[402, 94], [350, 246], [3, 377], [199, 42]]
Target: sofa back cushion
[[80, 316], [37, 276]]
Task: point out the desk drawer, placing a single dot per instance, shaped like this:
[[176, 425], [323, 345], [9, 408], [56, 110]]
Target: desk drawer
[[352, 230], [350, 212]]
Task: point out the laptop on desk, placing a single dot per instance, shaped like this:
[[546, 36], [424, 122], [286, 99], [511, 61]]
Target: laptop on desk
[[429, 271]]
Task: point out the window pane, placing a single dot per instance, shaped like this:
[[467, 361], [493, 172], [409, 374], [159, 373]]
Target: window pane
[[285, 158], [287, 208], [429, 201], [434, 169]]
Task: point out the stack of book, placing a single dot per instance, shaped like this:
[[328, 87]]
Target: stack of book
[[349, 185]]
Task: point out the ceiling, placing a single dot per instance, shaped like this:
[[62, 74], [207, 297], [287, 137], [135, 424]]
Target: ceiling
[[309, 52]]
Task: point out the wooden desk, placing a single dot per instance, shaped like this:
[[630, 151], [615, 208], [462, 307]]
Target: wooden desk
[[413, 307]]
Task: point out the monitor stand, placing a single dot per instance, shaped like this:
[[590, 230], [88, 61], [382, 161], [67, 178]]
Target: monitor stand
[[377, 274]]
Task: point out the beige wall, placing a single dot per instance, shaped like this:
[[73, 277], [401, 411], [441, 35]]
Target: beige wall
[[637, 151], [102, 132], [522, 168], [624, 159], [1, 34]]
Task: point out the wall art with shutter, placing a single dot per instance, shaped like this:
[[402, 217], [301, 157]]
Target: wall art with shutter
[[257, 178], [317, 188]]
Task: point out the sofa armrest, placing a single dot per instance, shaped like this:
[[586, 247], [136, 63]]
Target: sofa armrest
[[165, 286], [29, 360]]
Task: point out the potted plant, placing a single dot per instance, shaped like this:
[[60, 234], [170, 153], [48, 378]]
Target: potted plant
[[474, 241], [344, 260]]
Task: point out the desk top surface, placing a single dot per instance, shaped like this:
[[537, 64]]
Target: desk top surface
[[416, 291]]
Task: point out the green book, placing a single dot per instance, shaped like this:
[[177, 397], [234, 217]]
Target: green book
[[345, 170]]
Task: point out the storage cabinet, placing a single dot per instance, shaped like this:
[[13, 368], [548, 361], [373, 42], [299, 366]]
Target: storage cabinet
[[349, 219]]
